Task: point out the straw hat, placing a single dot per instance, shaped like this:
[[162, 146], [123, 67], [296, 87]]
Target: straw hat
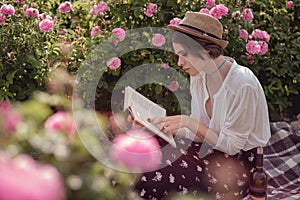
[[202, 26]]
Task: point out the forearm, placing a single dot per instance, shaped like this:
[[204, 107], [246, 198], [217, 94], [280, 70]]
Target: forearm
[[202, 131]]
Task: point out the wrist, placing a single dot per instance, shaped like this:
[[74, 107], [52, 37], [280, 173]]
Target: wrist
[[185, 121]]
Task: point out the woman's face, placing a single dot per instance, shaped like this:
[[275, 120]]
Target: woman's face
[[190, 63]]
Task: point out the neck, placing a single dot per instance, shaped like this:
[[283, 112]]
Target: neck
[[218, 68]]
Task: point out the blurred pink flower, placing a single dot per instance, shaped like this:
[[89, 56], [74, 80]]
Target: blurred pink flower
[[173, 86], [219, 11], [119, 35], [210, 3], [25, 7], [61, 121], [298, 118], [243, 34], [99, 9], [150, 9], [263, 47], [204, 10], [165, 65], [136, 150], [65, 7], [114, 63], [253, 47], [247, 57], [175, 21], [247, 14], [46, 25], [261, 35], [235, 14], [18, 1], [31, 12], [7, 9], [289, 4], [95, 30], [2, 18], [9, 117], [22, 178], [158, 40]]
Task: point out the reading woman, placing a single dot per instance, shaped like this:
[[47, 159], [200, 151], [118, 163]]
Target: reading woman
[[229, 119]]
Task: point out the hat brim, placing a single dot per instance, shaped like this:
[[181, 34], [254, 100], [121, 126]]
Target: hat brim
[[221, 43]]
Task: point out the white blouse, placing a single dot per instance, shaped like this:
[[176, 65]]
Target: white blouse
[[240, 113]]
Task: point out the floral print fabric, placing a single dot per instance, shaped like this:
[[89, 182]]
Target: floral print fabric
[[214, 176]]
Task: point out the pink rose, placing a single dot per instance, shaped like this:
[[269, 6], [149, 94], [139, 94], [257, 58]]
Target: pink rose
[[150, 9], [289, 4], [173, 86], [119, 34], [175, 21], [25, 7], [165, 65], [235, 14], [95, 30], [9, 118], [219, 11], [7, 9], [298, 118], [158, 40], [65, 7], [247, 14], [136, 150], [99, 9], [22, 178], [114, 63], [204, 10], [247, 57], [261, 35], [253, 47], [243, 34], [2, 19], [61, 122], [46, 25], [18, 1], [31, 12], [263, 47], [210, 3]]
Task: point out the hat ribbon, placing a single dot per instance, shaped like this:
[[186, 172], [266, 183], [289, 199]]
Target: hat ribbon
[[201, 31]]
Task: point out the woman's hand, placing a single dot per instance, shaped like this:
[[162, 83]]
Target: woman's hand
[[171, 123], [130, 119]]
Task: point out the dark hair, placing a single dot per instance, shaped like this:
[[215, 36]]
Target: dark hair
[[195, 45]]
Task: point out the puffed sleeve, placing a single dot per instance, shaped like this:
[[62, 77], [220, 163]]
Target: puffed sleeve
[[239, 122]]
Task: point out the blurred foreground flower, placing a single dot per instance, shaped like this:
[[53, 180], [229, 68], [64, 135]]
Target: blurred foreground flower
[[136, 150], [9, 118], [22, 178], [62, 122]]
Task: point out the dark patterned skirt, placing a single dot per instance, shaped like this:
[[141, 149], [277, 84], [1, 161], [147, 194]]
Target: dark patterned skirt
[[195, 169]]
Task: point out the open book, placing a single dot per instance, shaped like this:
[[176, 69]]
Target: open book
[[143, 108]]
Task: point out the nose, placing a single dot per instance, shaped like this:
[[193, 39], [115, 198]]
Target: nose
[[180, 61]]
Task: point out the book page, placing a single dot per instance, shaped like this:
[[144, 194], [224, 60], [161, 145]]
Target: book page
[[143, 108]]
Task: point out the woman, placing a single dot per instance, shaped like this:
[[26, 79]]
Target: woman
[[229, 119]]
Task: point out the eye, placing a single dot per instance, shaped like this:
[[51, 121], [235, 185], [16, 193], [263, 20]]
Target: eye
[[184, 54]]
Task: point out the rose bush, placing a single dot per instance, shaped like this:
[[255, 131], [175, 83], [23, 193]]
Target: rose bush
[[42, 151], [39, 37], [44, 44]]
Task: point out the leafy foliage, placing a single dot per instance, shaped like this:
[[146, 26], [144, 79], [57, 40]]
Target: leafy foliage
[[29, 56]]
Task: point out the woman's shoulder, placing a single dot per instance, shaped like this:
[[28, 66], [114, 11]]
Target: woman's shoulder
[[241, 76]]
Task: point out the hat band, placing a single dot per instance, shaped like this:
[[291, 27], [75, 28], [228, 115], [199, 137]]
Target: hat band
[[199, 30]]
